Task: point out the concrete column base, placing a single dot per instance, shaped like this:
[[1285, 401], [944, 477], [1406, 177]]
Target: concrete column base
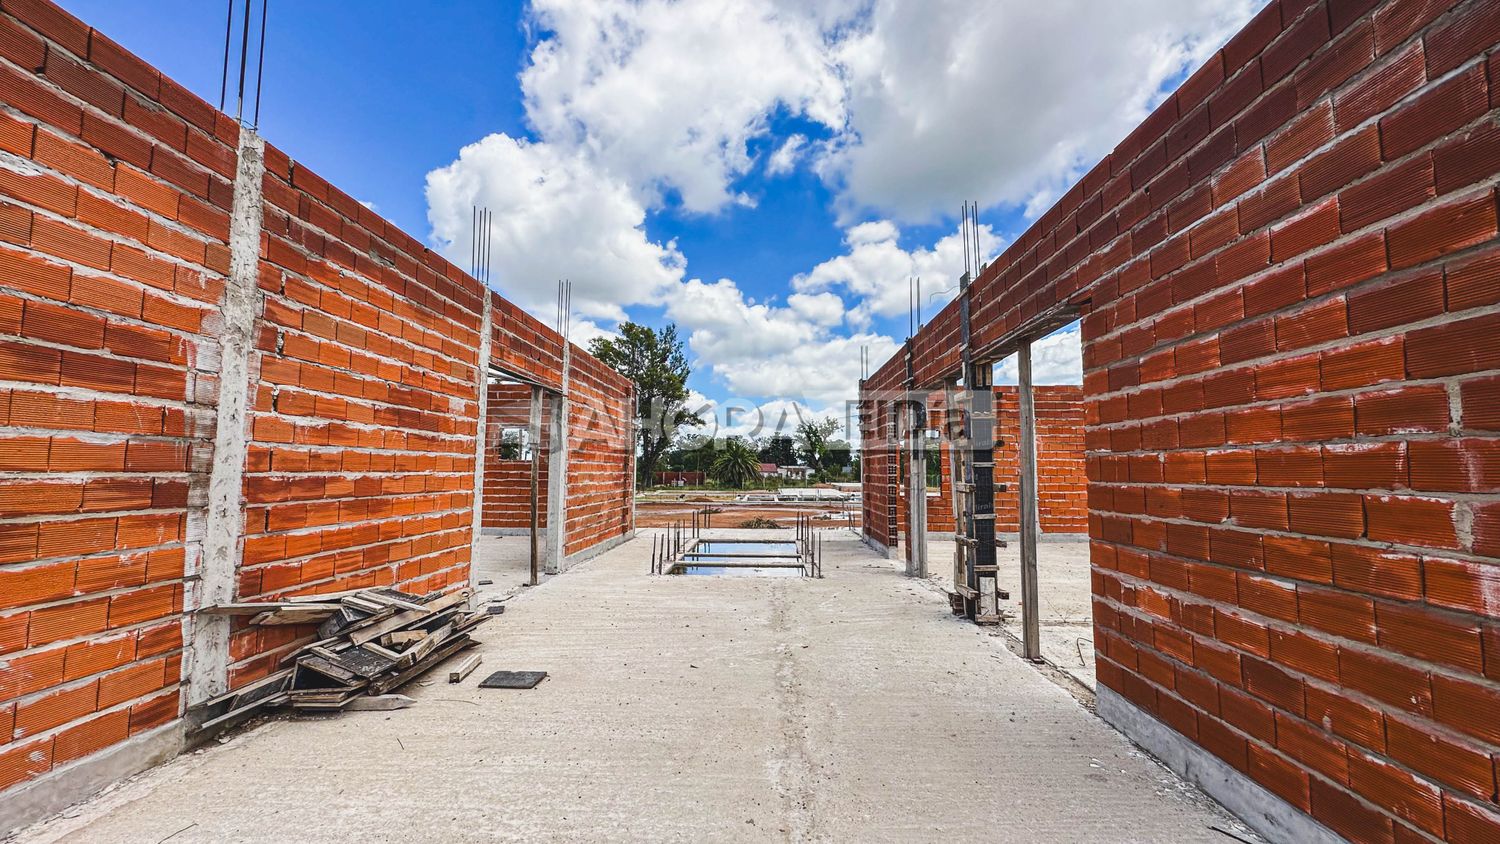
[[1269, 815]]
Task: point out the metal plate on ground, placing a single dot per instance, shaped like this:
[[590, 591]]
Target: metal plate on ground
[[513, 680]]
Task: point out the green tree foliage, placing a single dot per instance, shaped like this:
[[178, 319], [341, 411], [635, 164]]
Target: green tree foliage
[[827, 457], [736, 465], [654, 360], [779, 449]]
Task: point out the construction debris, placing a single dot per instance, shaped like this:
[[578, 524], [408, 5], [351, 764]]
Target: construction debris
[[513, 680], [465, 668], [370, 642], [379, 703]]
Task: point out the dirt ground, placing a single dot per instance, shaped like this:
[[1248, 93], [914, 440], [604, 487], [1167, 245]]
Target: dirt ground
[[656, 514]]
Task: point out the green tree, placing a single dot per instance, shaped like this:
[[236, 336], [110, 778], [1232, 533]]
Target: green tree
[[813, 442], [779, 449], [736, 464], [655, 362]]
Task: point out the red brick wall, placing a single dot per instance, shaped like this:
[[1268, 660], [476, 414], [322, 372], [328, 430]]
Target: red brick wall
[[360, 470], [113, 215], [507, 483], [1062, 486], [115, 191], [878, 472], [601, 448], [1289, 276]]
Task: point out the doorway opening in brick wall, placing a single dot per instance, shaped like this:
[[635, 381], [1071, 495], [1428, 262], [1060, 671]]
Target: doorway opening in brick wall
[[1040, 415], [516, 539]]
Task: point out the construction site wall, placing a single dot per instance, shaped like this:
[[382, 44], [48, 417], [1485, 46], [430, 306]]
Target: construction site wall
[[1062, 486], [117, 203], [1290, 281], [507, 481]]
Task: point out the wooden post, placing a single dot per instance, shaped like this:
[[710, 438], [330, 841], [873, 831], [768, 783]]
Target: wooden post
[[536, 483], [1030, 600]]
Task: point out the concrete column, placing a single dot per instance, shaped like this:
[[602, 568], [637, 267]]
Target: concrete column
[[206, 657], [557, 477], [916, 490], [535, 436], [1030, 601], [481, 435]]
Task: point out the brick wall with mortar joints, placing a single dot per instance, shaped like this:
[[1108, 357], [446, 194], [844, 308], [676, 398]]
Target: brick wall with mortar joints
[[114, 193], [601, 441], [115, 186], [1302, 238], [879, 478], [360, 469], [1062, 484], [507, 483]]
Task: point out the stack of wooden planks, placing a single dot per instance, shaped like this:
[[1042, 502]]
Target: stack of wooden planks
[[370, 642]]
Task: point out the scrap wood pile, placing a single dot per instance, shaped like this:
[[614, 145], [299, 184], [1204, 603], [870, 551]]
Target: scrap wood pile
[[370, 642]]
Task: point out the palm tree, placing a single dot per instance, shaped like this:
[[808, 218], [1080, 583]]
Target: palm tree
[[736, 464]]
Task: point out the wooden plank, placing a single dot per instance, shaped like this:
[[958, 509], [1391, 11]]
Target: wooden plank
[[300, 614], [465, 668], [397, 680], [246, 608], [378, 703], [400, 620]]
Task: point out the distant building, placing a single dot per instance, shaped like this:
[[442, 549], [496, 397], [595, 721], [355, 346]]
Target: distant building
[[681, 479]]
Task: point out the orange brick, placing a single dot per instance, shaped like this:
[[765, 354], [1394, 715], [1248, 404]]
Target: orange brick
[[24, 454], [97, 654], [24, 760], [75, 538], [20, 587], [133, 682], [49, 711], [70, 455], [34, 275], [70, 243], [154, 712], [91, 736], [107, 294], [68, 621], [141, 605]]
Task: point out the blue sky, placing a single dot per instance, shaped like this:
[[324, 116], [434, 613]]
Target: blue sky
[[764, 175]]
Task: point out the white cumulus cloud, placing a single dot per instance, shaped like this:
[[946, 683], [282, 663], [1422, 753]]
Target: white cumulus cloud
[[1006, 101], [555, 215], [874, 270]]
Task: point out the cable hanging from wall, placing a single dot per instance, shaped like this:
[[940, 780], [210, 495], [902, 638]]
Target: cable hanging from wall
[[246, 85]]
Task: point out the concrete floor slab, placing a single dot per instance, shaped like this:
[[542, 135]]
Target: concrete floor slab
[[1063, 590], [687, 708]]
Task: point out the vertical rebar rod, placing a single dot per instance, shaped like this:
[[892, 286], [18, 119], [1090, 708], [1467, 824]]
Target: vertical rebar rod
[[239, 106], [260, 65], [224, 74]]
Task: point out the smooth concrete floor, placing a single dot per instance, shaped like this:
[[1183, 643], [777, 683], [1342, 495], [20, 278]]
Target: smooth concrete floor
[[852, 708]]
